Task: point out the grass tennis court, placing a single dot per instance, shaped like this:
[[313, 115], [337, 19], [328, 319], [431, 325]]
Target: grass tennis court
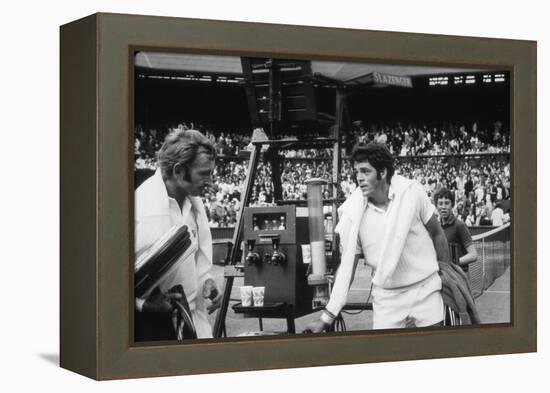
[[493, 306], [489, 279]]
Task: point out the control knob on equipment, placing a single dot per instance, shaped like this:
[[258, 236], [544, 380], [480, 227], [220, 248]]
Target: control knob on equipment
[[252, 258], [278, 258]]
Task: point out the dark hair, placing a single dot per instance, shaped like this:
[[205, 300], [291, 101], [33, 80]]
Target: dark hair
[[377, 154], [444, 193], [182, 147]]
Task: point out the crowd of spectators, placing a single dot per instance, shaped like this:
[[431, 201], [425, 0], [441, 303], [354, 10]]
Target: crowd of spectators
[[481, 184], [148, 142], [414, 140], [409, 140]]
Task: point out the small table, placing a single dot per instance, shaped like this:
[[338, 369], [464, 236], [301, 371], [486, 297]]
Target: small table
[[269, 310]]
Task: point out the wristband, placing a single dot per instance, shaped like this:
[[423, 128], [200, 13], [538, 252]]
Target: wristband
[[327, 317]]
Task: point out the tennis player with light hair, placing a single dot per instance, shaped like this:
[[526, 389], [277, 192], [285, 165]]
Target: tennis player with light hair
[[172, 197]]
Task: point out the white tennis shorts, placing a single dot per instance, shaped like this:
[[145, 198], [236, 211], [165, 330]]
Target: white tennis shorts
[[418, 305]]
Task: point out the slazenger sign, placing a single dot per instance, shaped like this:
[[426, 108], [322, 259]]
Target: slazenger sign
[[393, 80]]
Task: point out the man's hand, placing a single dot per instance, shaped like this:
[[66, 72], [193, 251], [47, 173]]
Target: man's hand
[[211, 291], [160, 302], [317, 326]]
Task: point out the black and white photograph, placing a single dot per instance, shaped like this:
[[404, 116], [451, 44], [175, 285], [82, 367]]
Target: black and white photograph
[[290, 196], [293, 196]]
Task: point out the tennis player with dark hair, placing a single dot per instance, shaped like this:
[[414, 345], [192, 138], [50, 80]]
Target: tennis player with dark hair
[[390, 221], [457, 234], [172, 197]]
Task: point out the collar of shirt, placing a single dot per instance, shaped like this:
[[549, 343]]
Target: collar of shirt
[[165, 202], [449, 221], [391, 196], [173, 204]]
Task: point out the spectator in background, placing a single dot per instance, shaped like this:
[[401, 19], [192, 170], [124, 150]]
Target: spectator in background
[[457, 234], [470, 218], [216, 209], [497, 216], [483, 218]]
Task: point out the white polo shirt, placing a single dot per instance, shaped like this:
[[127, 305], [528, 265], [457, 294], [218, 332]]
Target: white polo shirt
[[418, 259]]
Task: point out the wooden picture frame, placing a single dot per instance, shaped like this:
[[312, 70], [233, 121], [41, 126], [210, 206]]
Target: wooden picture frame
[[96, 198]]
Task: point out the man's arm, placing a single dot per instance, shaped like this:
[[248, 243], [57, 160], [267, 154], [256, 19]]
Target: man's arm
[[469, 257], [326, 318], [466, 239], [355, 261], [160, 302], [438, 237]]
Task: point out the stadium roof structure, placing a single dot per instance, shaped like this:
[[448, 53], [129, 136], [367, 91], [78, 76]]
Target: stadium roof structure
[[231, 65]]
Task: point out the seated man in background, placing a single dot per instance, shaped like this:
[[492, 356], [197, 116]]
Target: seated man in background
[[457, 233]]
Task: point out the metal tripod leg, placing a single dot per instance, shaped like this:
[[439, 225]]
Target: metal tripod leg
[[219, 325]]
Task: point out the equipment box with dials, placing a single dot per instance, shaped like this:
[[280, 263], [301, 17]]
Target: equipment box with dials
[[273, 236]]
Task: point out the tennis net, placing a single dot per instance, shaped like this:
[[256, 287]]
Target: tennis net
[[493, 258]]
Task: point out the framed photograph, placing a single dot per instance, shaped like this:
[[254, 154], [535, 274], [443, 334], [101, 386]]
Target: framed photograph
[[255, 196]]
